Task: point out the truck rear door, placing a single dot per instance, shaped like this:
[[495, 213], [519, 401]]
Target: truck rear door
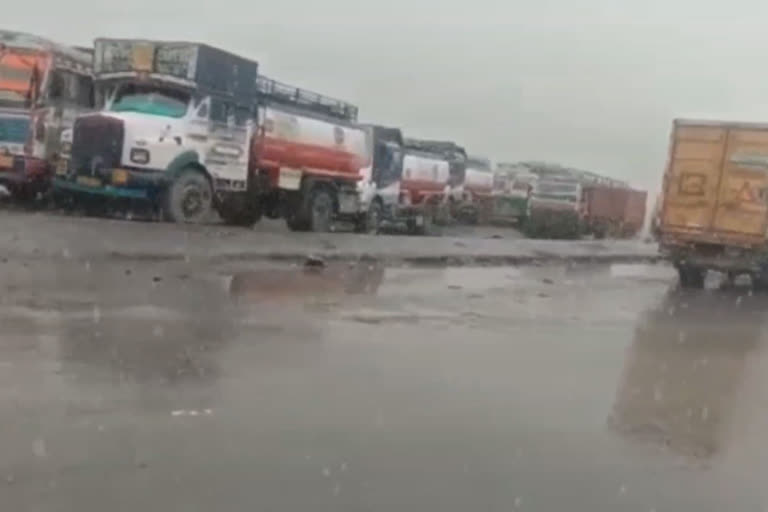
[[741, 203], [716, 182]]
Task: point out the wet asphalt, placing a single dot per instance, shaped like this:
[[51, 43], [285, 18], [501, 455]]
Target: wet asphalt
[[183, 385]]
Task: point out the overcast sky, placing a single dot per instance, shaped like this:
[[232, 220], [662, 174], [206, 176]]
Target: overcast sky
[[589, 83]]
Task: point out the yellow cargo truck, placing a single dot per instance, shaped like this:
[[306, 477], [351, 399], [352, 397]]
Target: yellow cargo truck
[[714, 211]]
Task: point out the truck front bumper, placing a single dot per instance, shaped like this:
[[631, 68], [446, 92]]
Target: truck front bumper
[[114, 183], [20, 170]]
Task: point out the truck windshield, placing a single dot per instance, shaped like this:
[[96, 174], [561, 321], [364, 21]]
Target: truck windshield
[[156, 102], [14, 129]]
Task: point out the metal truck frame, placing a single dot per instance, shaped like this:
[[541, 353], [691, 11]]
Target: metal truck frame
[[44, 86]]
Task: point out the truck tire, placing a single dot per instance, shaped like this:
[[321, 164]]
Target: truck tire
[[691, 277], [370, 223], [294, 210], [321, 209], [244, 213], [189, 199]]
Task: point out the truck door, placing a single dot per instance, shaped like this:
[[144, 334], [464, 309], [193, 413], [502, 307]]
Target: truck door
[[741, 202], [388, 172]]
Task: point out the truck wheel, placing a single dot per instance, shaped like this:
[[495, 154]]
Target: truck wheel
[[189, 198], [243, 212], [321, 203], [371, 221], [691, 277], [428, 227]]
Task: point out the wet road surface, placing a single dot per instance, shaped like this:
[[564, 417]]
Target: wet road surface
[[170, 386], [48, 236]]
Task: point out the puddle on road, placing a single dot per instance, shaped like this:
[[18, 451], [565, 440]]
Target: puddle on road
[[312, 280]]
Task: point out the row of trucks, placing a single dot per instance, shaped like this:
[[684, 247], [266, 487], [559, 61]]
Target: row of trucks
[[187, 128], [550, 201], [713, 209]]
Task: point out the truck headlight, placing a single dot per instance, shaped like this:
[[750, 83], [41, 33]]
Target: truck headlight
[[120, 177], [139, 156]]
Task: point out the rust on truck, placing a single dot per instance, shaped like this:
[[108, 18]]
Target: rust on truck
[[715, 184]]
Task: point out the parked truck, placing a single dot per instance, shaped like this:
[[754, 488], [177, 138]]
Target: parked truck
[[473, 201], [613, 211], [512, 189], [312, 158], [423, 188], [714, 211], [43, 87], [175, 130], [555, 208], [456, 157]]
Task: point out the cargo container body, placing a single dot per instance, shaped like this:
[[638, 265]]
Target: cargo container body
[[43, 87], [615, 212], [714, 209], [175, 130]]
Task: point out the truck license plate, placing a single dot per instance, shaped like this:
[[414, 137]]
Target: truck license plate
[[88, 181], [289, 179]]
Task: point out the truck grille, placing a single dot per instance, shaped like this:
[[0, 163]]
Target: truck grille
[[97, 144]]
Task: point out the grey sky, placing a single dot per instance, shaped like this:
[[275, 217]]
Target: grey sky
[[593, 83]]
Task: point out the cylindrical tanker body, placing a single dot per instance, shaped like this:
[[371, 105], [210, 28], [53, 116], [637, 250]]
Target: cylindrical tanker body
[[291, 145], [424, 176], [478, 179]]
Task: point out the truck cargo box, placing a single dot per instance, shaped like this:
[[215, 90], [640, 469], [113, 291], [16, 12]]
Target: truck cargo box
[[715, 183], [605, 203], [615, 211], [634, 213], [191, 64]]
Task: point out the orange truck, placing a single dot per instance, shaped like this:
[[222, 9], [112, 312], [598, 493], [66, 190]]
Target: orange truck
[[714, 209], [43, 87]]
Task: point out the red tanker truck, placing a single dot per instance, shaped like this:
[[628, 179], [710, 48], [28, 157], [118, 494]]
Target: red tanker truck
[[309, 158]]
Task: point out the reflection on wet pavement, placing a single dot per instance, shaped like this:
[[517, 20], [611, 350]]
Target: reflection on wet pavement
[[685, 368], [171, 387]]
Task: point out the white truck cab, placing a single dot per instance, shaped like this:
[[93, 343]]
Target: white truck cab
[[174, 129]]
